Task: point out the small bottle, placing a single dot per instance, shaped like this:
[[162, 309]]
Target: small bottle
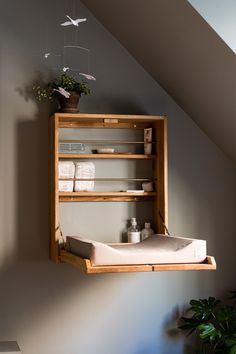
[[133, 231], [147, 231]]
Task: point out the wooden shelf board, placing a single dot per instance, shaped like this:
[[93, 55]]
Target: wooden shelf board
[[104, 196], [107, 194], [81, 120], [85, 266], [107, 156], [209, 264]]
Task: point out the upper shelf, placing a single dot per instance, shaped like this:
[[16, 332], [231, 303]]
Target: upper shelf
[[67, 120], [102, 142], [107, 156]]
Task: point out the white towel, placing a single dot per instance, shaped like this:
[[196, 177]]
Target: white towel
[[65, 186], [66, 169], [84, 170]]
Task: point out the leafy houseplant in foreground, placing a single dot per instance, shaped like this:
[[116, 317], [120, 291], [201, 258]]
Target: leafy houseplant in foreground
[[66, 89], [214, 322]]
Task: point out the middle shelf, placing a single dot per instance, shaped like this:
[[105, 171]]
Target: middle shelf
[[105, 196], [106, 156]]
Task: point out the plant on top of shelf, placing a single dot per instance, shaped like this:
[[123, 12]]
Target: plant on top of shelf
[[65, 88], [214, 322]]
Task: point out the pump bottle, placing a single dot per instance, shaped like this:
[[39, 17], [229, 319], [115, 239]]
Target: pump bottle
[[133, 231]]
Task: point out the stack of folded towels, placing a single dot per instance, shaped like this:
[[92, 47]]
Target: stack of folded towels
[[66, 169], [79, 170], [84, 170]]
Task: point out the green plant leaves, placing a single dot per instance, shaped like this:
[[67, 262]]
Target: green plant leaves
[[64, 81], [214, 322], [208, 330], [204, 308], [225, 313], [233, 350]]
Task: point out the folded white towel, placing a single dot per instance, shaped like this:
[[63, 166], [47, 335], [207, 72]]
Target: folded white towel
[[65, 186], [66, 169], [84, 170]]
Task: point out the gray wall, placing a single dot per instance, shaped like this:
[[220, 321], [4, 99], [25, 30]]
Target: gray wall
[[50, 308]]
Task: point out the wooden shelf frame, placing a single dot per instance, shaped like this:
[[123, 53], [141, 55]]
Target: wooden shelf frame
[[85, 265], [159, 198], [105, 156], [105, 142], [105, 196]]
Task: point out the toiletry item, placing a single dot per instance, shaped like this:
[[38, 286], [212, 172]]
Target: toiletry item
[[133, 232], [147, 141], [106, 151], [147, 231], [147, 186]]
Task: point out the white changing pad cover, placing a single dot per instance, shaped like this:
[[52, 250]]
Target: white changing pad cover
[[156, 249]]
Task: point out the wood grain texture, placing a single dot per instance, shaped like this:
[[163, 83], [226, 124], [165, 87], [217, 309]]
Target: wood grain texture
[[107, 156], [209, 264], [161, 174], [54, 198], [85, 265], [105, 196]]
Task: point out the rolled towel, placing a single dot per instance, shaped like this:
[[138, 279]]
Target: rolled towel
[[84, 170], [66, 169]]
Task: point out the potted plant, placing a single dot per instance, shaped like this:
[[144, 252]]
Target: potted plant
[[66, 89], [214, 322]]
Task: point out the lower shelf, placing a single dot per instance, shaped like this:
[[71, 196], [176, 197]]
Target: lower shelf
[[85, 266]]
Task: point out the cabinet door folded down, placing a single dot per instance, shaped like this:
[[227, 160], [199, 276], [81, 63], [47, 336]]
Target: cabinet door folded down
[[156, 249]]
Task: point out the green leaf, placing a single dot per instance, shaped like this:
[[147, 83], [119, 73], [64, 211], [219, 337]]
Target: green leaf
[[230, 340], [208, 330], [233, 349], [204, 309], [224, 314]]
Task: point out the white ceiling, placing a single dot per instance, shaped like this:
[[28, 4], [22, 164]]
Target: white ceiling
[[183, 54]]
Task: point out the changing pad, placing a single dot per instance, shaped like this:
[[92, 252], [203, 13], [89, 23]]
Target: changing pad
[[156, 249]]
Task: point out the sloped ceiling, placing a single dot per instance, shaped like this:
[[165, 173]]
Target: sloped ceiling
[[183, 54]]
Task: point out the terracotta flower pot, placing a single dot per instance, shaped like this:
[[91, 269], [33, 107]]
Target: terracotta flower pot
[[69, 105]]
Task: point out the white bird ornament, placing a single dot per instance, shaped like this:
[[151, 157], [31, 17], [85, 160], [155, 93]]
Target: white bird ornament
[[62, 92], [65, 69], [46, 55], [73, 22], [87, 76]]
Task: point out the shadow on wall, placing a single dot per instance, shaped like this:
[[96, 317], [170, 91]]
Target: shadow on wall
[[32, 186], [33, 181]]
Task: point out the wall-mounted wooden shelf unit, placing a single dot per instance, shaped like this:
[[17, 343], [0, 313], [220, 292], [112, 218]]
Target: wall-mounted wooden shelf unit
[[158, 197]]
